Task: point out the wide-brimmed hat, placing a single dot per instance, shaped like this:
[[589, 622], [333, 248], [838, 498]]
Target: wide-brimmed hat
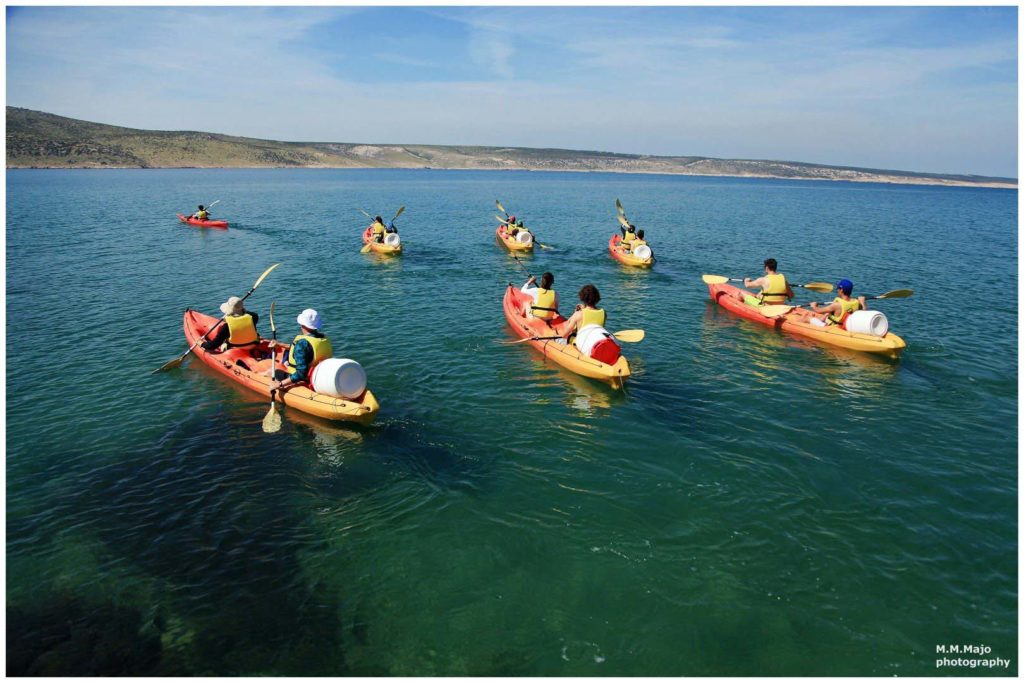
[[232, 306], [311, 319]]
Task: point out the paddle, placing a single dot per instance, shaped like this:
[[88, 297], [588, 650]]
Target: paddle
[[272, 420], [631, 336], [528, 273], [894, 294], [618, 207], [501, 208], [399, 213], [823, 287], [171, 364]]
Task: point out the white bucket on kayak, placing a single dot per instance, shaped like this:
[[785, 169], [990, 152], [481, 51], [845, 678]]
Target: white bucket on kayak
[[642, 252], [392, 239], [339, 377], [524, 237], [867, 322], [589, 335]]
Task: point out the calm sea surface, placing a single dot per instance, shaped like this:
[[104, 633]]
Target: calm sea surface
[[752, 504]]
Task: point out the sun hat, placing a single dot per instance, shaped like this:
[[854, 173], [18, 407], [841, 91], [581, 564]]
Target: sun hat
[[311, 319], [232, 306]]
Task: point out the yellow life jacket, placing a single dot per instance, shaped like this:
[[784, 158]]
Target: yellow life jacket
[[201, 215], [321, 351], [242, 330], [592, 316], [775, 292], [544, 307], [849, 306], [378, 228], [628, 237], [636, 243]]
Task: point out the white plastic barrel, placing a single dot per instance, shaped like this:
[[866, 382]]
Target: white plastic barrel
[[524, 237], [339, 377], [642, 252], [868, 322], [392, 239], [589, 335]]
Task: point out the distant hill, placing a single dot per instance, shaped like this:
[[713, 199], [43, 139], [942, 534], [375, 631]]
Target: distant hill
[[40, 140]]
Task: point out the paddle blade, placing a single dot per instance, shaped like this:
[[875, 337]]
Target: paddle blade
[[714, 279], [895, 294], [623, 222], [544, 246], [398, 213], [366, 214], [500, 207], [265, 274], [272, 420], [774, 311], [501, 220], [273, 329], [629, 335], [365, 249], [169, 365], [823, 287], [618, 207]]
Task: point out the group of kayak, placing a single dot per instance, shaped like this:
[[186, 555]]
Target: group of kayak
[[306, 376]]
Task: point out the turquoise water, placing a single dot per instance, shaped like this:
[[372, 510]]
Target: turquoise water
[[751, 504]]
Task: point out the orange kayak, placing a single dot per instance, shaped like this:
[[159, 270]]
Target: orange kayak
[[250, 366], [510, 242], [203, 224], [621, 255], [797, 321], [380, 247], [568, 356]]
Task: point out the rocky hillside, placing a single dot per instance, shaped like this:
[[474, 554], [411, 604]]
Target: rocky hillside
[[41, 140]]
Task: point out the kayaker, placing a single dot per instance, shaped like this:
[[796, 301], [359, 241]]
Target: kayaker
[[306, 350], [545, 300], [842, 306], [638, 241], [587, 312], [628, 235], [239, 328], [201, 215], [392, 228], [774, 289], [378, 229]]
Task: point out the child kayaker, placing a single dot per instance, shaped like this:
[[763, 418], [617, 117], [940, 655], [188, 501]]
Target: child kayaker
[[307, 349], [238, 329], [587, 312], [842, 306], [774, 289], [545, 300]]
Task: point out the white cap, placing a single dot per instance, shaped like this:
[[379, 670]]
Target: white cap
[[311, 319]]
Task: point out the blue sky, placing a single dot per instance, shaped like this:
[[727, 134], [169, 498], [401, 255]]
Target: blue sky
[[912, 88]]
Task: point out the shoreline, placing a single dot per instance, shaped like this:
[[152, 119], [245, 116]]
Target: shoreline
[[882, 180]]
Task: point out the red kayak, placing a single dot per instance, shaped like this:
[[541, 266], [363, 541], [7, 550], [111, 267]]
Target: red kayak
[[203, 224]]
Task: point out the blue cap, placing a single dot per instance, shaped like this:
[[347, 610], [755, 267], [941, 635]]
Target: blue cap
[[845, 286]]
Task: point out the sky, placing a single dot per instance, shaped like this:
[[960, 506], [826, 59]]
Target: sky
[[929, 89]]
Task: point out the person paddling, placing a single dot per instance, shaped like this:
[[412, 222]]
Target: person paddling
[[378, 229], [774, 289], [587, 312], [239, 328], [841, 307], [545, 299], [202, 214], [307, 349], [628, 234]]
